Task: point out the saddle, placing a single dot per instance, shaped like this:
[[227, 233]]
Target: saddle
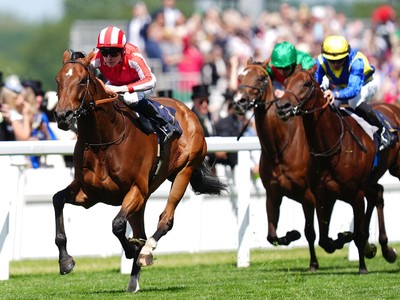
[[151, 125]]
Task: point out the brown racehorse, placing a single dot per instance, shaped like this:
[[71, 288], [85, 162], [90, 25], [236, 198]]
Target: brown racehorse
[[284, 154], [118, 164], [339, 168]]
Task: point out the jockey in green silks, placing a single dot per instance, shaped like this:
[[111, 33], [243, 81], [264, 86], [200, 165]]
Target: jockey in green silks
[[284, 59]]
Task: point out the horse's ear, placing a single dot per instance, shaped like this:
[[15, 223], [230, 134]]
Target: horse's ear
[[66, 56], [313, 69], [266, 62], [250, 61], [88, 58]]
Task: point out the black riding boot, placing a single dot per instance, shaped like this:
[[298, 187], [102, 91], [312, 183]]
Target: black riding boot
[[367, 113], [146, 108]]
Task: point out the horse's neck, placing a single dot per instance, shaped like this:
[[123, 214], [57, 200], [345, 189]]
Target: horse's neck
[[323, 129], [273, 133], [101, 125]]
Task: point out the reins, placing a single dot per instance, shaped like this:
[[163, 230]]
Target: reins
[[297, 110], [257, 103], [92, 103], [115, 142]]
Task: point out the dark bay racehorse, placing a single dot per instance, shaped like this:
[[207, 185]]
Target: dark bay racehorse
[[284, 154], [118, 164], [339, 168]]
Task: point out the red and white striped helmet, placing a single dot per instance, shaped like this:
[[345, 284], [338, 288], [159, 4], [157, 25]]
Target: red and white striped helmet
[[111, 37]]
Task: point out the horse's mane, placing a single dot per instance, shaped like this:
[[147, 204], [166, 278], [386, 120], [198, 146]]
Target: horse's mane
[[259, 63], [76, 54]]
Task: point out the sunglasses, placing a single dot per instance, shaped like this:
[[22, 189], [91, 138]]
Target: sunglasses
[[285, 69], [337, 62], [114, 52]]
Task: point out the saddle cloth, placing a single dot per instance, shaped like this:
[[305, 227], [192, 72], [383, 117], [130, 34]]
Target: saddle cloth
[[168, 113]]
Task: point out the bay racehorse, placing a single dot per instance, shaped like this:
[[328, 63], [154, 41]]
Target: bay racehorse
[[284, 154], [343, 160], [118, 164]]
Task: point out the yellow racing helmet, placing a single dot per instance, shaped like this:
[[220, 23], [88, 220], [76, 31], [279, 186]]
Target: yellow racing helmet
[[335, 47]]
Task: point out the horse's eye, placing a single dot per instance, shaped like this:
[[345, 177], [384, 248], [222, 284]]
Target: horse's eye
[[307, 83], [83, 81]]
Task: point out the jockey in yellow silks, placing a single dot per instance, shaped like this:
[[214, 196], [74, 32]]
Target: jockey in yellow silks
[[349, 80]]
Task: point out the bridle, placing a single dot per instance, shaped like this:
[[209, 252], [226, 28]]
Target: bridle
[[81, 111], [299, 111], [257, 101]]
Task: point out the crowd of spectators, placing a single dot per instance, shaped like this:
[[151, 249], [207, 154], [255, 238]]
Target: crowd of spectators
[[26, 114], [207, 43], [216, 45]]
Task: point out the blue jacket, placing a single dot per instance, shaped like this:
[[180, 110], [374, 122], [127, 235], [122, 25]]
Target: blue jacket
[[355, 72]]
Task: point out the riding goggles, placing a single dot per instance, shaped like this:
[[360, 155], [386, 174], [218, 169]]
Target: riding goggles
[[114, 52]]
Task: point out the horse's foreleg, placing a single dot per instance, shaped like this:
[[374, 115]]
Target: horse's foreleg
[[66, 262], [371, 196], [359, 230], [324, 207], [166, 220], [273, 204], [388, 253], [132, 207], [137, 224], [308, 209], [133, 285]]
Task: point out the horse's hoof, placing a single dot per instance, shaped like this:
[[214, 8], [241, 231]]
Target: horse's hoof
[[343, 238], [293, 235], [314, 267], [133, 285], [66, 265], [363, 271], [370, 250], [346, 236], [328, 246], [145, 260], [390, 255]]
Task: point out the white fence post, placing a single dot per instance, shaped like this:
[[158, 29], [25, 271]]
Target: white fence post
[[4, 248], [8, 177], [243, 204]]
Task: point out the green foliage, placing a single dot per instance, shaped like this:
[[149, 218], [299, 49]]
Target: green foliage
[[116, 9], [34, 51], [98, 9], [273, 274]]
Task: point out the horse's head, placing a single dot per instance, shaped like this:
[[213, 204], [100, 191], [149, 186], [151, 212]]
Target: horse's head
[[255, 87], [301, 94], [75, 88]]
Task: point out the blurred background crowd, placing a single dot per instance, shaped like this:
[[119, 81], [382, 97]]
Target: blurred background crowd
[[210, 48]]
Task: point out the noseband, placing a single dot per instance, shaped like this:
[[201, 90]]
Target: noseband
[[257, 101]]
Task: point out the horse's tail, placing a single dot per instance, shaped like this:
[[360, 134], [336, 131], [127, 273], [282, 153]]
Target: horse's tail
[[204, 181]]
